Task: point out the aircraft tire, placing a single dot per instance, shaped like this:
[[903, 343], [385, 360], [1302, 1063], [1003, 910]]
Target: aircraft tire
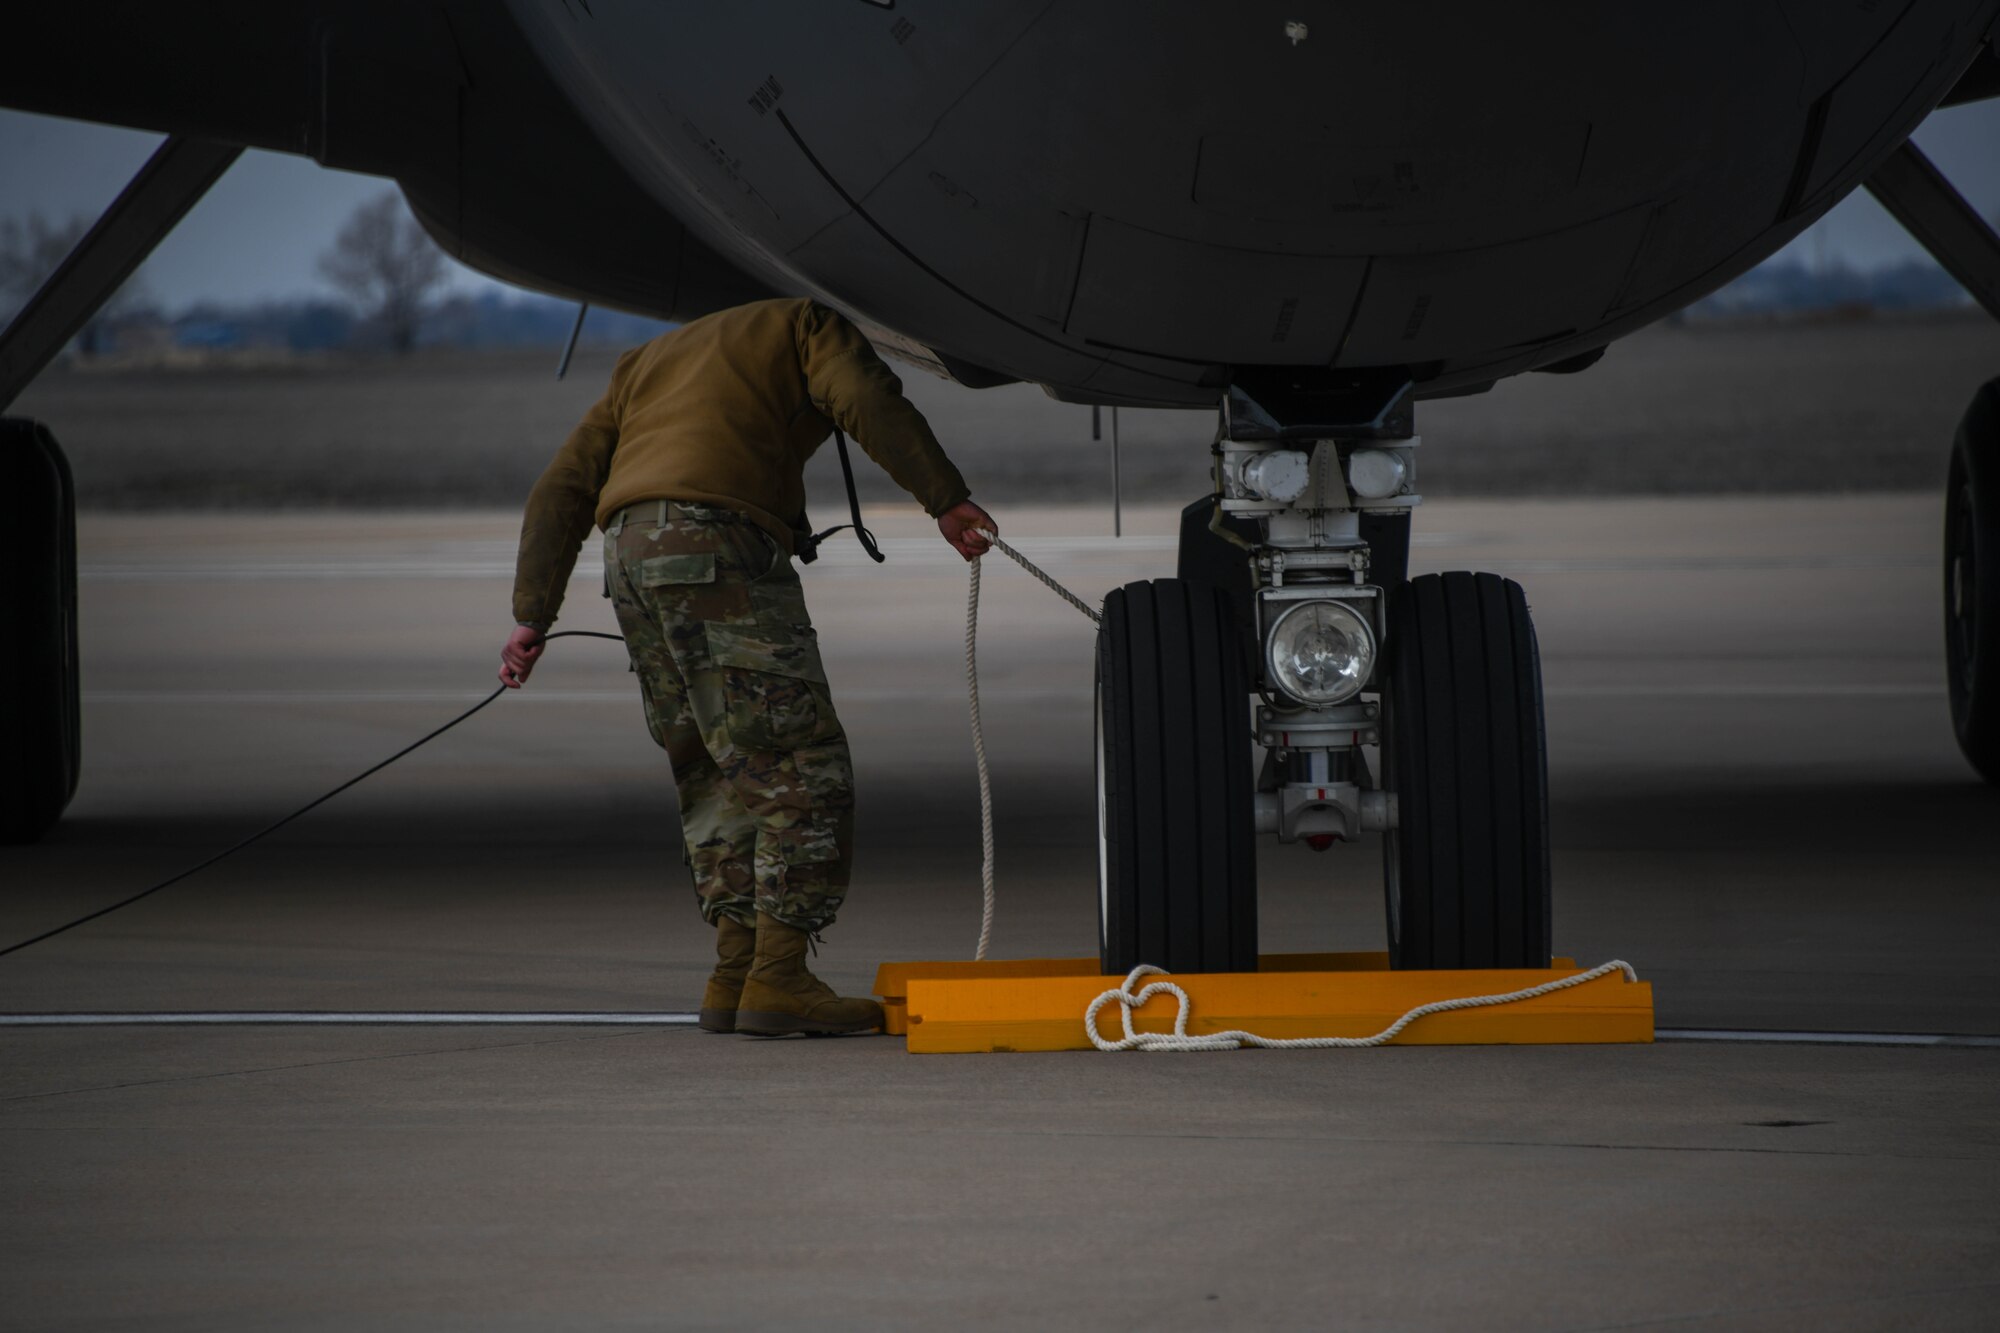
[[39, 717], [1177, 871], [1972, 582], [1467, 868]]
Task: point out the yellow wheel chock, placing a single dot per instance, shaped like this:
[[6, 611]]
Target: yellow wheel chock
[[1038, 1004]]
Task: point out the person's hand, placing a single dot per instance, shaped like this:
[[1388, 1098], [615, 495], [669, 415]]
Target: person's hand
[[962, 524], [518, 656]]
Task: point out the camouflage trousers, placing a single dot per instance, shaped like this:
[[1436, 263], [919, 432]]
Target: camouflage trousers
[[729, 668]]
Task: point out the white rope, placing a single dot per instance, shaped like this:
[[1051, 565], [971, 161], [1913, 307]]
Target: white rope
[[1041, 574], [979, 758], [979, 735], [1179, 1040]]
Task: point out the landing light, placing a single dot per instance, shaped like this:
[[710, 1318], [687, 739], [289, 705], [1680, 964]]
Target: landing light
[[1375, 474], [1281, 475], [1320, 653]]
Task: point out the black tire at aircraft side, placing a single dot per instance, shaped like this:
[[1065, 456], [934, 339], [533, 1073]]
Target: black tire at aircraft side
[[40, 733], [1467, 868], [1972, 582], [1177, 873]]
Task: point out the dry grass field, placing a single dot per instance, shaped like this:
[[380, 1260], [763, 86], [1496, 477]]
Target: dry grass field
[[1856, 406]]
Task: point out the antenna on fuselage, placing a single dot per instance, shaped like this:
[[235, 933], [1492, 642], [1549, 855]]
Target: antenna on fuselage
[[1117, 486], [569, 348]]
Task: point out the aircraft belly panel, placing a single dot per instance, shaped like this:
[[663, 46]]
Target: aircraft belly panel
[[867, 274], [1454, 307], [996, 249], [1175, 297], [1834, 38], [1380, 194], [692, 94], [1883, 85], [1703, 227]]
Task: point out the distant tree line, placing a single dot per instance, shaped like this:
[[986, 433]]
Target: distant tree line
[[1787, 286], [388, 265], [490, 319]]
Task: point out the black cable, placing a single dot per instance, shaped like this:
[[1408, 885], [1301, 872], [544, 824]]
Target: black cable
[[316, 801], [809, 546]]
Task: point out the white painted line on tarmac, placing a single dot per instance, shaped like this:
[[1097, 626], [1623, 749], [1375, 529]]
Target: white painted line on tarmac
[[1825, 1038], [601, 1018], [351, 1018]]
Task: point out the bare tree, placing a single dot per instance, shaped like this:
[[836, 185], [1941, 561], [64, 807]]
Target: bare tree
[[388, 264], [31, 250]]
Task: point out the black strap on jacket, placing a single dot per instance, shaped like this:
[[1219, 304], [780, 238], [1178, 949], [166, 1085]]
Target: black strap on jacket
[[809, 546]]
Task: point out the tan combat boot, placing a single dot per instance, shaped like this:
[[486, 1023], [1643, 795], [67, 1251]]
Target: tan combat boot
[[782, 997], [735, 945]]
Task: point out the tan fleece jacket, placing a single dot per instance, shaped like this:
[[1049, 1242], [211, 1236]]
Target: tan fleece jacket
[[725, 410]]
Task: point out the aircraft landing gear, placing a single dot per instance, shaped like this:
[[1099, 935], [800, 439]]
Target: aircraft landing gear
[[39, 716], [1972, 582], [1920, 198], [1293, 585], [38, 674], [1177, 870], [1466, 868]]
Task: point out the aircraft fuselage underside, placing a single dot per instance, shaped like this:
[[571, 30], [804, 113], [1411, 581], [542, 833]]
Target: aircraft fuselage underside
[[1126, 203]]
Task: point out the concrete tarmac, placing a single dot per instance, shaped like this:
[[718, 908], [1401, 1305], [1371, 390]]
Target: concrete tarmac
[[1756, 801]]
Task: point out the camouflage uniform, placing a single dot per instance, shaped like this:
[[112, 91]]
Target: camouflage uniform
[[730, 672]]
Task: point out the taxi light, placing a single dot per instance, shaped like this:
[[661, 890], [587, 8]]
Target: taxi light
[[1320, 653]]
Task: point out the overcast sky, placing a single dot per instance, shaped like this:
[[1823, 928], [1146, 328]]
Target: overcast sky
[[258, 234]]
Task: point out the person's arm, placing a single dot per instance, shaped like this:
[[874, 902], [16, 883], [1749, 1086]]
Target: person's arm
[[965, 525], [561, 511], [852, 387]]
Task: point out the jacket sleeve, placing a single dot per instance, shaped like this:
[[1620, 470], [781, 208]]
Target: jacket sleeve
[[562, 509], [852, 387]]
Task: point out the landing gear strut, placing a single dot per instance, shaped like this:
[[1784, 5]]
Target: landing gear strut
[[40, 749], [1408, 707], [1972, 582]]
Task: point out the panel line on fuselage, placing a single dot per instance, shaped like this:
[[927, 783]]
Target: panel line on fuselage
[[947, 283]]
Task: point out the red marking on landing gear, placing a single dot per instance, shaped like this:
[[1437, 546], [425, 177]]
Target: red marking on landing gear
[[1319, 842]]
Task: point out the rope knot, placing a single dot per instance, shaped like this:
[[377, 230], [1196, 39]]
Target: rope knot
[[1129, 1000]]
